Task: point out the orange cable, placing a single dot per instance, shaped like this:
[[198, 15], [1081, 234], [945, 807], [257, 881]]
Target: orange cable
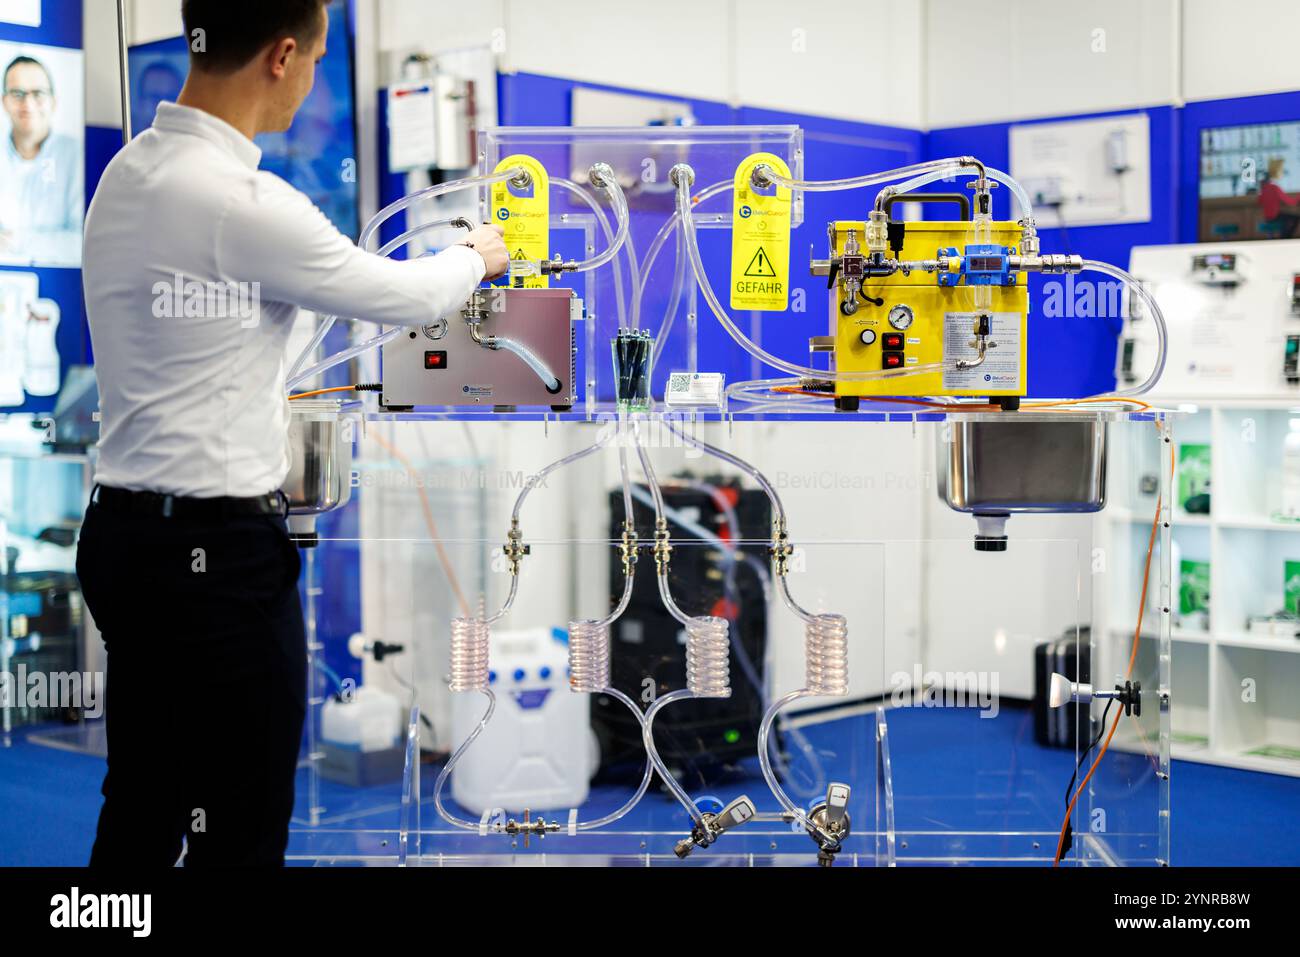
[[337, 388], [968, 407], [1132, 660]]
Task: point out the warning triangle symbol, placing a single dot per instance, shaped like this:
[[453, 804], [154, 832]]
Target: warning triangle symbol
[[760, 265], [519, 254]]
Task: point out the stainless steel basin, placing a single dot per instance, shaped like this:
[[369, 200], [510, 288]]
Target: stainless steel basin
[[1031, 465], [998, 467], [320, 464]]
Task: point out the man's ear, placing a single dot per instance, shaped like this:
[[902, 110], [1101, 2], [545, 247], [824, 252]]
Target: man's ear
[[280, 54]]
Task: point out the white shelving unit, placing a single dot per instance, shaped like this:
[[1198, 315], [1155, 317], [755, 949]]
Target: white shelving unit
[[1231, 312], [1236, 696]]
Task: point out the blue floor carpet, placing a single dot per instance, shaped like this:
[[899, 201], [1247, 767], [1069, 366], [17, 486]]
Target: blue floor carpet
[[953, 773]]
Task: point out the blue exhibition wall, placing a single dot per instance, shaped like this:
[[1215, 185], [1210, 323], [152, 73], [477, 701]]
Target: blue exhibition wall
[[58, 35], [1068, 356], [832, 148], [1076, 356]]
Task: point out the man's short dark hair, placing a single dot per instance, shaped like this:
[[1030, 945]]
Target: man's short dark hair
[[235, 31], [20, 61]]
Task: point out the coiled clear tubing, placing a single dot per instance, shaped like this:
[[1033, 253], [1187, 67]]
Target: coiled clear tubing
[[589, 656], [470, 638], [826, 650], [708, 657]]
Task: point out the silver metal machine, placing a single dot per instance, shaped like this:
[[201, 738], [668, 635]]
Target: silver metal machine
[[508, 347]]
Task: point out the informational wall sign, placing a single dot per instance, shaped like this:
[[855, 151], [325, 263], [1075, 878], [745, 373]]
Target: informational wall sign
[[26, 13], [760, 240], [412, 133], [1085, 172]]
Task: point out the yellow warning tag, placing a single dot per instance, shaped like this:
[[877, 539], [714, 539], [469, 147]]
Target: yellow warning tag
[[525, 215], [760, 240]]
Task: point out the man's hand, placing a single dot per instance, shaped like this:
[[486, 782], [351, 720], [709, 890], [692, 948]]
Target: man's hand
[[487, 242]]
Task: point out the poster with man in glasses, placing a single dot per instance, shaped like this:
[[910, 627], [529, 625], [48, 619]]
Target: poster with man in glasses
[[42, 156]]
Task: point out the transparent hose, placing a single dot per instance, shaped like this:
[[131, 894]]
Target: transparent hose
[[760, 391], [661, 237], [702, 280], [826, 652], [589, 656], [381, 217], [1022, 197], [674, 297], [343, 356], [531, 483], [647, 733], [661, 522], [707, 676], [707, 652], [778, 508], [622, 217], [589, 659], [634, 271], [585, 195], [455, 759], [511, 595], [468, 666], [531, 360], [735, 556], [699, 531], [471, 640], [429, 192], [623, 472], [867, 179], [539, 477], [1153, 308], [328, 322]]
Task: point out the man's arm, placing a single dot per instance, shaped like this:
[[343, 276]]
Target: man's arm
[[278, 238]]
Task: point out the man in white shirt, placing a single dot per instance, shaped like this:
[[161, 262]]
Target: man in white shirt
[[184, 559]]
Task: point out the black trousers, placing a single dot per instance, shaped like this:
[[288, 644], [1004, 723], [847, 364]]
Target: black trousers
[[206, 685]]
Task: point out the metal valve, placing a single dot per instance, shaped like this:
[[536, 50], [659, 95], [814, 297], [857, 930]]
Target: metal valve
[[715, 825], [828, 823]]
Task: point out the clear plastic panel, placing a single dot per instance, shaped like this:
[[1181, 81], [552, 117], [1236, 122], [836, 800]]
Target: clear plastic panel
[[955, 774]]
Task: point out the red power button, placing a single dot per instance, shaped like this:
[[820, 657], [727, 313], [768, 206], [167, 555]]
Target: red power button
[[891, 360], [435, 360]]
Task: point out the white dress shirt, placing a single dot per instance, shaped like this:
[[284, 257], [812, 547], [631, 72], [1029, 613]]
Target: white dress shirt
[[191, 374]]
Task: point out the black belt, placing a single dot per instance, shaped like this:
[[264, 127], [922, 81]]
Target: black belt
[[182, 506]]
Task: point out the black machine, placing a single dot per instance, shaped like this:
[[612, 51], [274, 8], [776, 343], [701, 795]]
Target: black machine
[[695, 738]]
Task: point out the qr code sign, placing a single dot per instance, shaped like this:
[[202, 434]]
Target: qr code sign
[[679, 382]]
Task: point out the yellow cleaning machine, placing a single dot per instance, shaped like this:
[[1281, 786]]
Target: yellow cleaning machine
[[936, 308]]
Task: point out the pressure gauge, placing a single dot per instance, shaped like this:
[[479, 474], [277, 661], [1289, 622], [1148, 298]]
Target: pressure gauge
[[900, 317], [435, 330]]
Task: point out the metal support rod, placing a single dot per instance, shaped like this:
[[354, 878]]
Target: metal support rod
[[126, 80]]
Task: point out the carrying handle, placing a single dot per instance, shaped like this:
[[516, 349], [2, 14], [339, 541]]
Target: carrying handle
[[961, 199]]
